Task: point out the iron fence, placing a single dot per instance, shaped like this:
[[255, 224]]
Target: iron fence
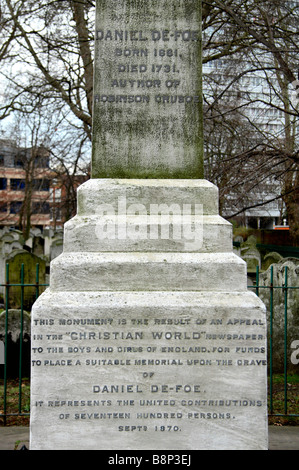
[[285, 288], [37, 286]]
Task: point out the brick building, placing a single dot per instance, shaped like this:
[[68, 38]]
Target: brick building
[[30, 192], [25, 186]]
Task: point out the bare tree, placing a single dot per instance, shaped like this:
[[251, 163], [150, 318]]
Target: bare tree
[[270, 154], [54, 40], [8, 33]]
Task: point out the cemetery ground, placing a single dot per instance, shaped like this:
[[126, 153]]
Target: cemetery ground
[[15, 402], [279, 393]]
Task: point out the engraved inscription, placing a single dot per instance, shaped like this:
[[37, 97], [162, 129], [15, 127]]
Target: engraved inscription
[[125, 72], [147, 348]]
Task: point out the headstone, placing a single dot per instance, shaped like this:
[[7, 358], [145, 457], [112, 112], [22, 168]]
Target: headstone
[[282, 339], [15, 261], [56, 248], [251, 254], [16, 318], [147, 338], [2, 353], [38, 245], [271, 258]]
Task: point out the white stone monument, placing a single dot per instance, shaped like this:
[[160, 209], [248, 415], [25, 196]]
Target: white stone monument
[[147, 338]]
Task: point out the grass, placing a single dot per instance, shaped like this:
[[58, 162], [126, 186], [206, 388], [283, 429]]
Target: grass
[[12, 402], [278, 397]]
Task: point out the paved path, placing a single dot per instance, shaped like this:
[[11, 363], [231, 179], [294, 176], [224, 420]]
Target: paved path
[[280, 437], [283, 437], [10, 435]]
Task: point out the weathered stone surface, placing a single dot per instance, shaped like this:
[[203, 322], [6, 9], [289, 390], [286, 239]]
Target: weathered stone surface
[[16, 318], [15, 261], [80, 235], [2, 353], [147, 342], [149, 370], [147, 90], [121, 193], [148, 271]]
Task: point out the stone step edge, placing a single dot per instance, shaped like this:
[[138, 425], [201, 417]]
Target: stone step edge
[[120, 192], [88, 233], [148, 271], [154, 299], [143, 257]]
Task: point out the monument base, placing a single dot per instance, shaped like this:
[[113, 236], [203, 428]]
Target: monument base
[[139, 370], [148, 350]]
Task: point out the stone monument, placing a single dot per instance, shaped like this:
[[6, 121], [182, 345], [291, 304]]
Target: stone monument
[[147, 338]]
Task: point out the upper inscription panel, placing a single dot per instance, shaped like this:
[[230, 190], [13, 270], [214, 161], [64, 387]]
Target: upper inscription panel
[[147, 119]]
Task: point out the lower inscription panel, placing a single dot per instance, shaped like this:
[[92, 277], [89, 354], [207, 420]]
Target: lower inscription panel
[[148, 371]]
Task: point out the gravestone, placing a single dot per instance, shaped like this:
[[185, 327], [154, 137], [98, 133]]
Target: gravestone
[[282, 339], [30, 261], [2, 358], [10, 329], [147, 338], [2, 353]]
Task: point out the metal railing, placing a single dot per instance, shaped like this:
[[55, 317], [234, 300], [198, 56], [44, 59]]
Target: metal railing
[[37, 285], [286, 288], [7, 286]]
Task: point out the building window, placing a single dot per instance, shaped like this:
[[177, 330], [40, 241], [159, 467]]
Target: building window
[[41, 162], [3, 183], [40, 208], [1, 160], [15, 207], [55, 214], [55, 195], [19, 161], [17, 184], [41, 185], [3, 207]]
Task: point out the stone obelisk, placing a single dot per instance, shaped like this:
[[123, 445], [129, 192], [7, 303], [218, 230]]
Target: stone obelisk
[[147, 338]]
